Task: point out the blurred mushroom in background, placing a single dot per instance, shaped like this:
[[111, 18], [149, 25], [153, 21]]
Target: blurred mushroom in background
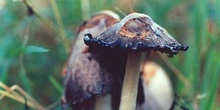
[[157, 88], [93, 72]]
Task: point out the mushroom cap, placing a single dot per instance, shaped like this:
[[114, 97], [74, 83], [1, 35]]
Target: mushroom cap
[[91, 72], [136, 32], [157, 88], [105, 17]]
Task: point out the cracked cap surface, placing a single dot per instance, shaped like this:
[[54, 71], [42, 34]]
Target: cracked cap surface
[[136, 32]]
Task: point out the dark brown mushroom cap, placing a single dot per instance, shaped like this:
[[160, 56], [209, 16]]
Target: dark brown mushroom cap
[[91, 72], [136, 32]]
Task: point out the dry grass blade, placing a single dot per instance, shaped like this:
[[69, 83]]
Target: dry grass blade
[[8, 90], [17, 93]]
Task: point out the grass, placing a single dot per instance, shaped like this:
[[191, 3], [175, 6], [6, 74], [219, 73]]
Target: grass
[[53, 27]]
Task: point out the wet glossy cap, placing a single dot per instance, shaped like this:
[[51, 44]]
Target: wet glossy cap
[[136, 32]]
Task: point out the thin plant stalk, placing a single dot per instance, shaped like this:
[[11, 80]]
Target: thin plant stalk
[[51, 25], [85, 6], [177, 73], [45, 20], [60, 25]]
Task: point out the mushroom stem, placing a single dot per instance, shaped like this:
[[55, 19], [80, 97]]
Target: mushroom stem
[[131, 78]]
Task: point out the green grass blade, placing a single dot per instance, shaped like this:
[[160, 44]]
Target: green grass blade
[[56, 84]]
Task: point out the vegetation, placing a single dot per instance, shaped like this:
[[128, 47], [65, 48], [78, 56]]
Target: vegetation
[[36, 37]]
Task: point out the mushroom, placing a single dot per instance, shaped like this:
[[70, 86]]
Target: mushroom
[[133, 34], [91, 72], [157, 88]]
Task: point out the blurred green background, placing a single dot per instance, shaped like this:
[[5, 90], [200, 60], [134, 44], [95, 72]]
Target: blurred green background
[[34, 47]]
